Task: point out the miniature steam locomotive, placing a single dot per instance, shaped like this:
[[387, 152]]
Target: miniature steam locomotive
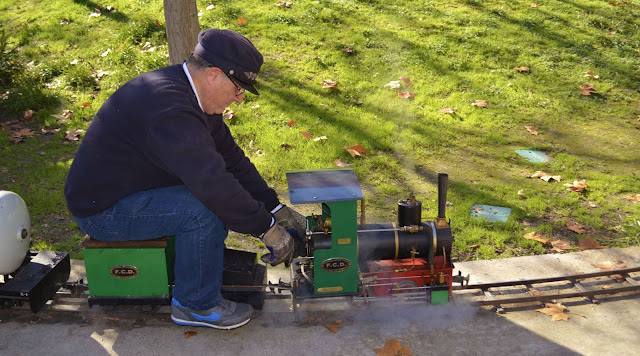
[[341, 257], [337, 257]]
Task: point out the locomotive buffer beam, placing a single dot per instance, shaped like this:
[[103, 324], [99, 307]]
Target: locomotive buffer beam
[[37, 281]]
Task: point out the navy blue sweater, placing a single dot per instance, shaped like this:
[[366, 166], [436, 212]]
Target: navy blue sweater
[[151, 133]]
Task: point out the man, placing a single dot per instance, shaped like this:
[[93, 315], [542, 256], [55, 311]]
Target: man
[[158, 160]]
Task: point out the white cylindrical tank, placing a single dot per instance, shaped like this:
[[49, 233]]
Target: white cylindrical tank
[[15, 231]]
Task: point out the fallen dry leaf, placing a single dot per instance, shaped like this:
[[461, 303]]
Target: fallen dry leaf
[[190, 333], [147, 47], [332, 326], [393, 348], [577, 228], [589, 244], [291, 123], [532, 129], [447, 110], [347, 50], [356, 150], [28, 114], [72, 135], [590, 74], [634, 199], [49, 131], [537, 237], [100, 73], [406, 95], [242, 21], [521, 192], [545, 177], [555, 310], [286, 146], [560, 246], [85, 105], [609, 266], [284, 4], [228, 114], [331, 84], [95, 13], [535, 292], [618, 277], [306, 134], [522, 69], [480, 103], [407, 80], [66, 114], [310, 319], [320, 138], [607, 286], [534, 5], [587, 89], [550, 178], [578, 186], [394, 84], [22, 133]]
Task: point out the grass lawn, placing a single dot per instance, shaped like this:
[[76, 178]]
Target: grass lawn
[[424, 86]]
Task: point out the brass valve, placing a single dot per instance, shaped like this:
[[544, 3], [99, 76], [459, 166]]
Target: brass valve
[[412, 228]]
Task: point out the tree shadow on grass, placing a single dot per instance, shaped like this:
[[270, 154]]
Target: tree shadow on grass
[[92, 6]]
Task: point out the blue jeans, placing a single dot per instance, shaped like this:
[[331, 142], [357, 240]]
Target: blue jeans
[[172, 211]]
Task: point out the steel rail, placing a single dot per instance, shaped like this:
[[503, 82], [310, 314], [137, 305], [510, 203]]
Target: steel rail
[[549, 279], [525, 286]]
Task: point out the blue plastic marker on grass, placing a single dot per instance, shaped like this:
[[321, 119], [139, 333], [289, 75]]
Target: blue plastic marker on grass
[[491, 212]]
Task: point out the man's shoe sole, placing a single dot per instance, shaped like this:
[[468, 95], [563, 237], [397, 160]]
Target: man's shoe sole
[[199, 323]]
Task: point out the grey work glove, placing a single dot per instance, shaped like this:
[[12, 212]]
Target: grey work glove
[[289, 218], [281, 245]]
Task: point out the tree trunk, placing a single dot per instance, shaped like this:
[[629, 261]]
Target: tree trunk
[[181, 17]]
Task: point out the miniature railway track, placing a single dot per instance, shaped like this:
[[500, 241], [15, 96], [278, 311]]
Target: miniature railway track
[[587, 285], [73, 305]]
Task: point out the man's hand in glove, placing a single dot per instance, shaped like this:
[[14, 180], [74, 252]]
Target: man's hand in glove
[[289, 218], [281, 245]]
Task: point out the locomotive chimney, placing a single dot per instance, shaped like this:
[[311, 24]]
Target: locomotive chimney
[[443, 181]]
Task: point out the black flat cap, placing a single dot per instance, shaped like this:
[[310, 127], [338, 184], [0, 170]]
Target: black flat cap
[[232, 53]]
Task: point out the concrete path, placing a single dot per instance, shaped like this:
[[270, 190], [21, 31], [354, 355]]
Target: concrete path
[[609, 328]]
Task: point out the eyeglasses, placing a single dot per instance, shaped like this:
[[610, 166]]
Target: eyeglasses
[[239, 90]]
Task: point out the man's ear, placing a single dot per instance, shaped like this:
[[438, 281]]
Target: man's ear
[[213, 73]]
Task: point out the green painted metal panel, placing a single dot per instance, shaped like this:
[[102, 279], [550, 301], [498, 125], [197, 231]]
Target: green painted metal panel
[[330, 274], [129, 271], [440, 297]]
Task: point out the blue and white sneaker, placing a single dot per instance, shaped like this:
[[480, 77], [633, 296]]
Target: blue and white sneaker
[[226, 315]]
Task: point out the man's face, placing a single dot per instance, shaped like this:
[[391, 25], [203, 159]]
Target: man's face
[[220, 92]]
